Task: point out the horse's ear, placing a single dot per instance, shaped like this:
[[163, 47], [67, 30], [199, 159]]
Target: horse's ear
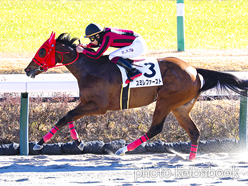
[[52, 38]]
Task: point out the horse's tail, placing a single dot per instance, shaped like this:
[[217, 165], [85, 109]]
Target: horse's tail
[[223, 81]]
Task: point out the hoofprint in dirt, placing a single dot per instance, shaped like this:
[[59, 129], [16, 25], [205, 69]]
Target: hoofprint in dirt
[[213, 169]]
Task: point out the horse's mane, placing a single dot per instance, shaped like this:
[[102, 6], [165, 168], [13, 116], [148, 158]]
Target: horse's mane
[[66, 39]]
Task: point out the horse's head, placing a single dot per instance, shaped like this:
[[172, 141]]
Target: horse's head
[[50, 53]]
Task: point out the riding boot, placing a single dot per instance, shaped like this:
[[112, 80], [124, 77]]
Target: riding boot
[[132, 73]]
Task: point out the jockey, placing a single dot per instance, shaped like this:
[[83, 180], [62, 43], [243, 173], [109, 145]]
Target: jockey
[[129, 43]]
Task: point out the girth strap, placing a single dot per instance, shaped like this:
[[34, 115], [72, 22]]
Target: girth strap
[[124, 98]]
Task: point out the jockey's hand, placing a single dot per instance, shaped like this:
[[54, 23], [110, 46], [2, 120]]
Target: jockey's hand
[[84, 45], [80, 48]]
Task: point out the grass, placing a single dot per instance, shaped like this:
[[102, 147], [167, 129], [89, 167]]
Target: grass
[[216, 24], [26, 24]]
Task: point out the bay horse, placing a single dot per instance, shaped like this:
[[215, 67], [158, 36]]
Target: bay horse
[[100, 84]]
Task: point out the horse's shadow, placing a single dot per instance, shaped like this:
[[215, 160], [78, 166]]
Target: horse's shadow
[[95, 163]]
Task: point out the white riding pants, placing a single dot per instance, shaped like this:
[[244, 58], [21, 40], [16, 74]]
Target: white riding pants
[[137, 48]]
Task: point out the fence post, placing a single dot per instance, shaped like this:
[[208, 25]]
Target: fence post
[[24, 149], [180, 25], [243, 123]]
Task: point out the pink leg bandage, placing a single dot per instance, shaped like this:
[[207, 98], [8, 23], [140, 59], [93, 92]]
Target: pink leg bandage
[[137, 143], [50, 134], [73, 131], [193, 151]]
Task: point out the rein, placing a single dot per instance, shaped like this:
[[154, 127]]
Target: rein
[[63, 59]]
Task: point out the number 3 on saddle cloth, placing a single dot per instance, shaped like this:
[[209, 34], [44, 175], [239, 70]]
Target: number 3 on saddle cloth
[[151, 76]]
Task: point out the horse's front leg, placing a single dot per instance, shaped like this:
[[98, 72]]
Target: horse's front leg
[[80, 111], [61, 123]]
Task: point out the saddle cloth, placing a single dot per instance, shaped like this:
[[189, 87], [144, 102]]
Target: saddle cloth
[[151, 76]]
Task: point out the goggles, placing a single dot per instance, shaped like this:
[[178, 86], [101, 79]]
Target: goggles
[[92, 38]]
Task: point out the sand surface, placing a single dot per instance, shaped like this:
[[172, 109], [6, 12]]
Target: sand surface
[[151, 169]]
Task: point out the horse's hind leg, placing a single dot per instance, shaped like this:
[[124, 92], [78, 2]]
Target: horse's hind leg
[[160, 113], [183, 117]]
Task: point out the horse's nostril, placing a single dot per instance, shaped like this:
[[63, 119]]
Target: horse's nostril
[[26, 69]]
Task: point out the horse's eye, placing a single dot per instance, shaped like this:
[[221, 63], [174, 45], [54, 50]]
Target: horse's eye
[[42, 53]]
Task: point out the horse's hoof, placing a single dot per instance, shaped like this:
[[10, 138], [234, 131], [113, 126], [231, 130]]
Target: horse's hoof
[[81, 146], [38, 147], [122, 151]]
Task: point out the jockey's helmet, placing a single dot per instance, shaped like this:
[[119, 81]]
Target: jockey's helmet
[[92, 29]]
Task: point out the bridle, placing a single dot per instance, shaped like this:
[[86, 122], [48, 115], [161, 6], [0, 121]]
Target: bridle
[[45, 56], [44, 67]]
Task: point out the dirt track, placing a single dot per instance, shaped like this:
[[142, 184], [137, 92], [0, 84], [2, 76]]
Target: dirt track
[[221, 60], [153, 169]]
